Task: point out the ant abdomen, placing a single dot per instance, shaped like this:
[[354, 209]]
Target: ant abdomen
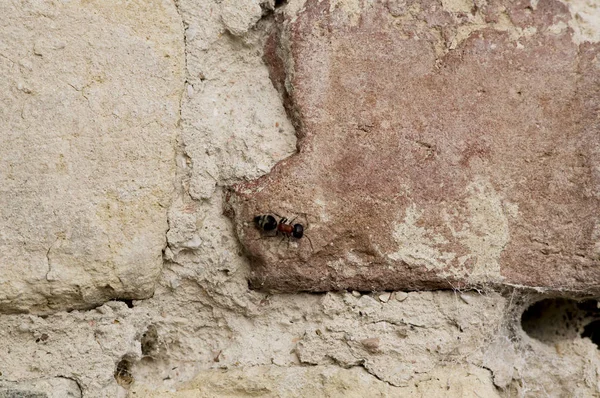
[[266, 222]]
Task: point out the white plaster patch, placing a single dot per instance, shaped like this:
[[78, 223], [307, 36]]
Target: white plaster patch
[[504, 24], [585, 20], [457, 5], [558, 28], [417, 245], [485, 231]]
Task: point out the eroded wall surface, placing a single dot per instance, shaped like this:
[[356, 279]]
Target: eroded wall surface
[[126, 255]]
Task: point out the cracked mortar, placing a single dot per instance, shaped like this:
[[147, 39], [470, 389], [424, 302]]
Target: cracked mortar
[[205, 334]]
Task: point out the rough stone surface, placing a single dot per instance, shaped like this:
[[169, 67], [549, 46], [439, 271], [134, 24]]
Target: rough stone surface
[[58, 387], [440, 147], [205, 330], [90, 101], [240, 15], [327, 381], [234, 126]]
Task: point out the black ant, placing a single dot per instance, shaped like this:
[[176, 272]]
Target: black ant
[[268, 223]]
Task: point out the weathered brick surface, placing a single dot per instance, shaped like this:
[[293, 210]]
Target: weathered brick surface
[[438, 148]]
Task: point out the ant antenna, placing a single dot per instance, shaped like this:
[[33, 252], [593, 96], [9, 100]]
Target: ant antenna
[[310, 242]]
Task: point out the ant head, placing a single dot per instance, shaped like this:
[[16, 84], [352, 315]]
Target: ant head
[[298, 231]]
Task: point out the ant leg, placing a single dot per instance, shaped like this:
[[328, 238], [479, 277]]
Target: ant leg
[[306, 219], [310, 242], [266, 235], [307, 227]]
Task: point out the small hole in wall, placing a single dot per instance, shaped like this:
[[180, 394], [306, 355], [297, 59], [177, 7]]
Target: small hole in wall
[[559, 319], [123, 374], [149, 342], [279, 3], [126, 301], [592, 331]]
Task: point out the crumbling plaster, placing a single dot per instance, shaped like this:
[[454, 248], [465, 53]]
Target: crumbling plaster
[[204, 333]]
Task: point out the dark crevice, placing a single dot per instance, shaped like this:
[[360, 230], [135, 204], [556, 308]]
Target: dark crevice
[[126, 301], [592, 331], [559, 319]]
